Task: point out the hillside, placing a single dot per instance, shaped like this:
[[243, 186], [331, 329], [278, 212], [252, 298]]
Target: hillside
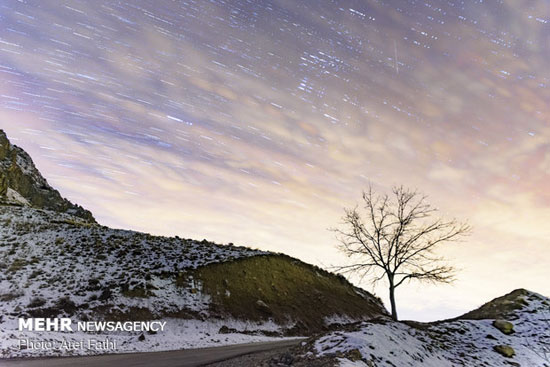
[[56, 261], [513, 330], [21, 182]]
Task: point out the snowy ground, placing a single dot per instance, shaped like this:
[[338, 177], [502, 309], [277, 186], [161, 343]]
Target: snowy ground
[[56, 265], [447, 344], [47, 256], [178, 334]]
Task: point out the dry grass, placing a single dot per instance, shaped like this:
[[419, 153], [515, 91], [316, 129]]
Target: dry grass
[[289, 290]]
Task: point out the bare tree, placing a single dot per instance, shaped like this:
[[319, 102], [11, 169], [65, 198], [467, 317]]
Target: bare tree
[[396, 238]]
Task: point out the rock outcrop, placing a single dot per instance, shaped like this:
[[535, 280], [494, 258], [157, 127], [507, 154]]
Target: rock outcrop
[[505, 350], [21, 183], [447, 343], [504, 326]]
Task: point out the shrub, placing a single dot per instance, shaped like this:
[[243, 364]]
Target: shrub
[[37, 302]]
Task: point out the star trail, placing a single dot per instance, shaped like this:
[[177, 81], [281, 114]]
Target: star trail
[[256, 122]]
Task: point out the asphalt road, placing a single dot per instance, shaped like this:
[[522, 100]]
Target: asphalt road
[[178, 358]]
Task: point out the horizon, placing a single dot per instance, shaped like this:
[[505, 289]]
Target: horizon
[[237, 123]]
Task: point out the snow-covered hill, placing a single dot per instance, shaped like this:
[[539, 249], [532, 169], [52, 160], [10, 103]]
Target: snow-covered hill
[[58, 265], [513, 330], [22, 183], [56, 261], [55, 265]]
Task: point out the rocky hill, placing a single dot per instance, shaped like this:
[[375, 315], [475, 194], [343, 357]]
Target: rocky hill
[[22, 184], [56, 261], [512, 330]]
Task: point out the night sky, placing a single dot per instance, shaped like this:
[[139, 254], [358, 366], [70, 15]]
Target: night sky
[[256, 122]]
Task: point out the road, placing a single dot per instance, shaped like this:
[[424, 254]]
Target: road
[[177, 358]]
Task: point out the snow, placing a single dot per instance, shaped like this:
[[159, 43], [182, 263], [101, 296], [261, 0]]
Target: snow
[[392, 339], [343, 362], [25, 163], [448, 343], [178, 334], [57, 262], [339, 320], [14, 197]]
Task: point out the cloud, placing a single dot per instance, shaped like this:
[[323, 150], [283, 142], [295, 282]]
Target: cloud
[[257, 124]]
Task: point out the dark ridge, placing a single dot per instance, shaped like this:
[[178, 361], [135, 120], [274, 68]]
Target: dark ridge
[[284, 289], [501, 307], [18, 173]]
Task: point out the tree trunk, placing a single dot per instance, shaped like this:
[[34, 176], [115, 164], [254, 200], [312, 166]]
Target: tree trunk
[[392, 301]]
